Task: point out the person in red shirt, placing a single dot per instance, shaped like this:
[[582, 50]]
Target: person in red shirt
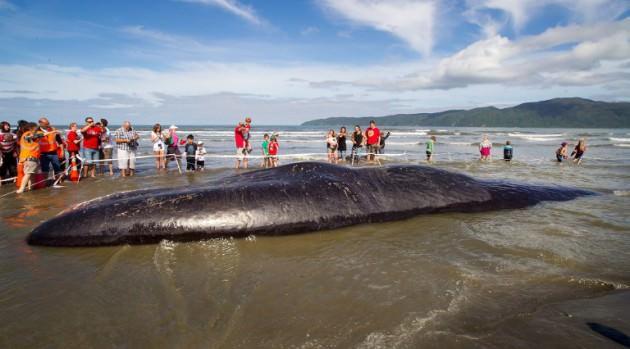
[[273, 151], [73, 142], [373, 140], [241, 145], [91, 144]]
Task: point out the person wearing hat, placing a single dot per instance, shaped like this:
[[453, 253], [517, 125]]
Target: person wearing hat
[[200, 156], [562, 152], [172, 145]]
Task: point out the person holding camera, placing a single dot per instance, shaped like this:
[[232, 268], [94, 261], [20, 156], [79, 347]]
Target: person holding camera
[[91, 145], [127, 143]]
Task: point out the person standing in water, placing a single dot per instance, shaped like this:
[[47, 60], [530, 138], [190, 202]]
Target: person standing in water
[[373, 140], [29, 154], [157, 138], [484, 148], [107, 148], [241, 145], [127, 141], [171, 140], [508, 152], [91, 144], [191, 152], [430, 148], [8, 148], [265, 151], [561, 153], [273, 150], [200, 156], [341, 143], [357, 143], [48, 145], [331, 147], [578, 151], [73, 142]]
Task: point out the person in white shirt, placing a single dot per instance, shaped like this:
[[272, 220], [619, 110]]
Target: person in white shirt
[[200, 156]]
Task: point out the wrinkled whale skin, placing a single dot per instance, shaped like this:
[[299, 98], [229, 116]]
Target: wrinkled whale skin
[[290, 199]]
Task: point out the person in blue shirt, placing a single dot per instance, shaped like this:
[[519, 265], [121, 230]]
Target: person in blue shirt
[[508, 152]]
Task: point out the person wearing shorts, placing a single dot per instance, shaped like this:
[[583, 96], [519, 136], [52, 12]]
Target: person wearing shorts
[[373, 140], [127, 142], [29, 154], [91, 145]]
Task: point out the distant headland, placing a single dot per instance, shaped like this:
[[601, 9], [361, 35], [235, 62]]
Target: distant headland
[[557, 112]]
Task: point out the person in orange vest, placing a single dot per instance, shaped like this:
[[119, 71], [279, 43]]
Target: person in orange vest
[[49, 145], [29, 154]]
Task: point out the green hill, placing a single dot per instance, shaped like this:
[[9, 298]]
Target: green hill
[[557, 112]]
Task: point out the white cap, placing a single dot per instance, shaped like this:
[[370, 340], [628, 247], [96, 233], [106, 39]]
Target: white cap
[[200, 142], [173, 127]]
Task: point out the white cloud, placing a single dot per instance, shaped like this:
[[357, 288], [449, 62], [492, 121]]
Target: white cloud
[[598, 55], [583, 11], [233, 6], [411, 21]]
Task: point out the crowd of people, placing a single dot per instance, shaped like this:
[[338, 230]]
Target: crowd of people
[[40, 148]]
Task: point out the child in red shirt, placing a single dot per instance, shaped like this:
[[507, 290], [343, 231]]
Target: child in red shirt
[[273, 151]]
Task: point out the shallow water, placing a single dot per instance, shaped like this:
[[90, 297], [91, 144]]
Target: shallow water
[[513, 278]]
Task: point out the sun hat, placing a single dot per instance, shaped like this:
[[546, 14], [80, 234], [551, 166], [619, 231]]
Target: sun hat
[[173, 127]]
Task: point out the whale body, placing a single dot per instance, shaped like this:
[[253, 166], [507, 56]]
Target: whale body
[[294, 198]]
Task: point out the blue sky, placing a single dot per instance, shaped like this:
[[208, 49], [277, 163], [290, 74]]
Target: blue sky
[[284, 62]]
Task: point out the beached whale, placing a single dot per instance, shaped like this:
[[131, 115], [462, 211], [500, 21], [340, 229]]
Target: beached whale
[[295, 198]]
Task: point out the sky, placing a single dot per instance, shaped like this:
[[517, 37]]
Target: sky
[[283, 62]]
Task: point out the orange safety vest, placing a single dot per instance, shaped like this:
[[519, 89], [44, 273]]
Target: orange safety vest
[[48, 143], [28, 149]]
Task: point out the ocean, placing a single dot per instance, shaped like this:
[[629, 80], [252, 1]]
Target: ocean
[[554, 275]]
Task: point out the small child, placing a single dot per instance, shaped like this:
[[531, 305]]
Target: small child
[[273, 151], [561, 153], [508, 151], [191, 150], [200, 156], [430, 147], [265, 151]]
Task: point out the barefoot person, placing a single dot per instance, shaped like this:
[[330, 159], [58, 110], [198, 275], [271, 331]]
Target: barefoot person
[[373, 140], [357, 143], [29, 154], [578, 151], [484, 148], [430, 148], [341, 143], [274, 146], [91, 143], [331, 146], [561, 153], [127, 142], [241, 145], [159, 148], [265, 151]]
